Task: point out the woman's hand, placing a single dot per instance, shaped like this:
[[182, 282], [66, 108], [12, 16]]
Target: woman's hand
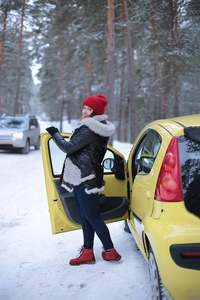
[[52, 130]]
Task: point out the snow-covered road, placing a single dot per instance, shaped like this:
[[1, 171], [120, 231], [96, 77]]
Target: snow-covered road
[[34, 264]]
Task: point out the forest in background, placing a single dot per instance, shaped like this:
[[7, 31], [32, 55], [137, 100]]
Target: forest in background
[[143, 55]]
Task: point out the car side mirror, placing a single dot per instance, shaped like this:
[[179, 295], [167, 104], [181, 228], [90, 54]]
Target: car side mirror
[[118, 169], [108, 164]]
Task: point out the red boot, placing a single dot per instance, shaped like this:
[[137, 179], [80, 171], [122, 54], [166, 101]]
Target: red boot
[[86, 257], [111, 255]]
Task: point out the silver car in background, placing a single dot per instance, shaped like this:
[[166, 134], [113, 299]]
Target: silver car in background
[[19, 132]]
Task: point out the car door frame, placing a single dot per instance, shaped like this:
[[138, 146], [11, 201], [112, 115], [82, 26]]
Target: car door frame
[[114, 187]]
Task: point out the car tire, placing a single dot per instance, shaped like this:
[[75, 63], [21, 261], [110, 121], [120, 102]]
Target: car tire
[[37, 146], [158, 290], [25, 150]]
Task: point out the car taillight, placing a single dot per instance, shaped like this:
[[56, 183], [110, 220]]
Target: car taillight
[[169, 184]]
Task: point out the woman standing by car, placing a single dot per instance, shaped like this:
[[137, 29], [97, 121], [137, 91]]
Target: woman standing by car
[[83, 174]]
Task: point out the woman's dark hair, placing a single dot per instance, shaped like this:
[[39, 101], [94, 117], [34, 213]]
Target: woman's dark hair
[[93, 114]]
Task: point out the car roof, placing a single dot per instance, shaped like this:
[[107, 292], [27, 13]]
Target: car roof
[[176, 125]]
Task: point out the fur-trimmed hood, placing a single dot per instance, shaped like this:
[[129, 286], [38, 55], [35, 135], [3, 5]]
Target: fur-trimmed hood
[[99, 125]]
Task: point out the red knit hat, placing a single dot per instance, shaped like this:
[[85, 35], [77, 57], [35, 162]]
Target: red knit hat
[[97, 103]]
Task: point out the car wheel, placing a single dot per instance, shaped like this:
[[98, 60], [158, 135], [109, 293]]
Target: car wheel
[[25, 150], [37, 147], [158, 290]]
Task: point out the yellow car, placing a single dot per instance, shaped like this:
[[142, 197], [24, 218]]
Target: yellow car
[[157, 193]]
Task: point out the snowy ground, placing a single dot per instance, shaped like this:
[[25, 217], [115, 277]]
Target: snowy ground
[[34, 264]]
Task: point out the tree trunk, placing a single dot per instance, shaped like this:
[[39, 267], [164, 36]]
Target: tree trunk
[[121, 98], [131, 80], [110, 60], [1, 57], [69, 89], [61, 91], [174, 23], [16, 107], [156, 79], [88, 72]]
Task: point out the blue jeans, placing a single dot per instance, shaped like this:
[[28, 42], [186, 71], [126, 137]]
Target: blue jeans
[[91, 221]]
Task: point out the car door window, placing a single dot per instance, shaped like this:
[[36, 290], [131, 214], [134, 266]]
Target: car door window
[[33, 123], [146, 153], [57, 157]]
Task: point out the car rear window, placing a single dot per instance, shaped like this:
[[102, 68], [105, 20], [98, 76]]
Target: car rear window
[[189, 148]]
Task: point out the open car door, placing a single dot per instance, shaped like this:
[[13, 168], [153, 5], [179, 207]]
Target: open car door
[[112, 201]]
